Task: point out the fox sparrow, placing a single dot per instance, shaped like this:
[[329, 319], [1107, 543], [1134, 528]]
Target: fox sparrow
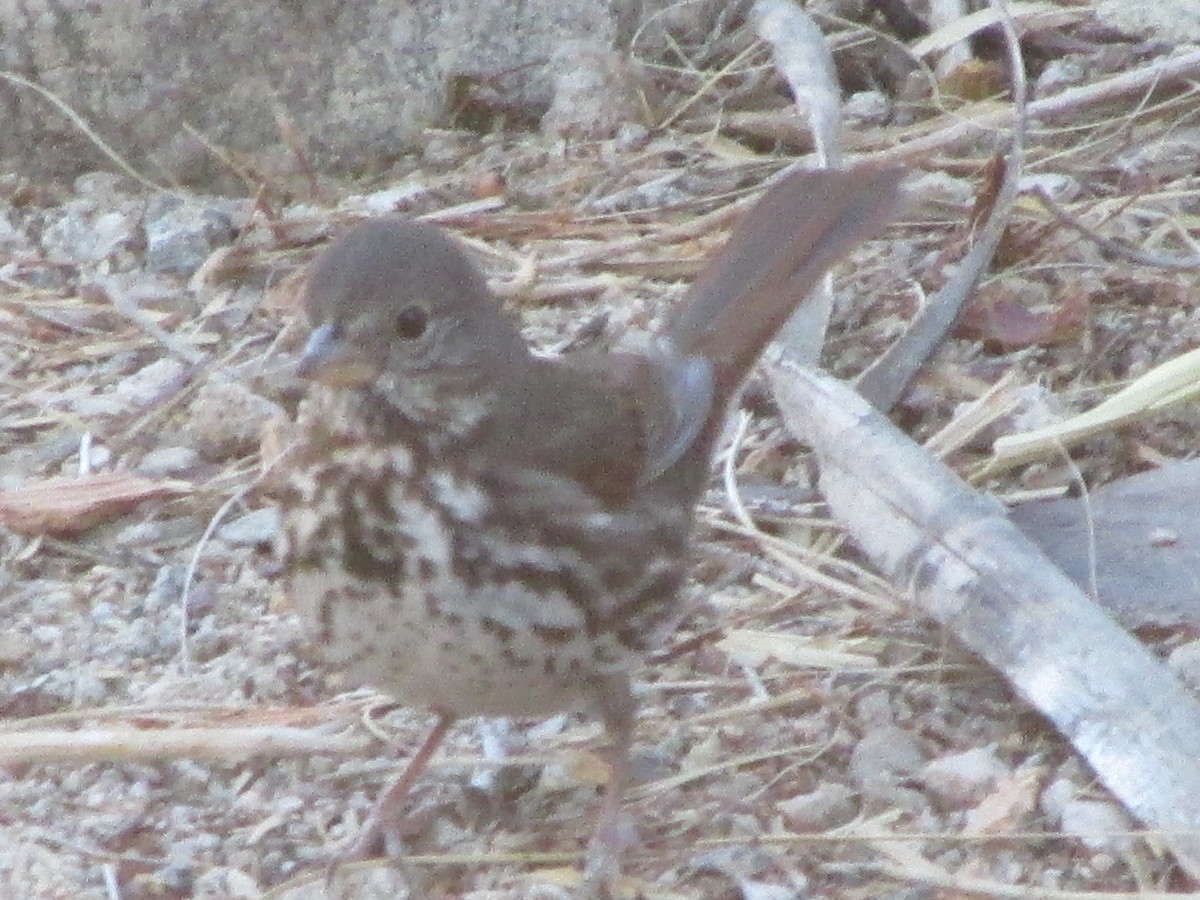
[[482, 531]]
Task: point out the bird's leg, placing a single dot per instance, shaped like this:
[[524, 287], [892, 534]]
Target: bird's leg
[[602, 863], [387, 808]]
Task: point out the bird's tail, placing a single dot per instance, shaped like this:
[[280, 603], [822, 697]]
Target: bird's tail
[[776, 255]]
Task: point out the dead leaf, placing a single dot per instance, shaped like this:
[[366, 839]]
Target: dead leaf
[[69, 506], [1017, 313], [753, 648], [1002, 811]]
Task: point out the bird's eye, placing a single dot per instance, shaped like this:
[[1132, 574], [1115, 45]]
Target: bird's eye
[[411, 322]]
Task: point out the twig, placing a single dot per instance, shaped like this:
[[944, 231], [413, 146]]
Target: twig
[[1113, 248], [884, 382], [79, 122]]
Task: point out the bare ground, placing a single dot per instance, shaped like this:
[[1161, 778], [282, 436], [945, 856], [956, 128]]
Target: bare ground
[[164, 734]]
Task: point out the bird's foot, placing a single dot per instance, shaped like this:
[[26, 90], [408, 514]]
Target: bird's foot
[[367, 844], [602, 862]]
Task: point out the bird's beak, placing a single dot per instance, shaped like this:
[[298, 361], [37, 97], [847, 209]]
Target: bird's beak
[[332, 361]]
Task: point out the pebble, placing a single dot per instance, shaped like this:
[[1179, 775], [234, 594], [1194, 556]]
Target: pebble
[[1099, 825], [961, 779], [886, 753], [867, 108], [165, 461], [15, 648], [102, 612], [1058, 75], [254, 528], [181, 529], [388, 201], [827, 806], [594, 92], [1184, 661], [150, 382], [50, 635], [227, 418], [181, 232], [84, 235]]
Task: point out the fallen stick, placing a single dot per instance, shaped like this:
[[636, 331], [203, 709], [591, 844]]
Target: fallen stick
[[953, 552]]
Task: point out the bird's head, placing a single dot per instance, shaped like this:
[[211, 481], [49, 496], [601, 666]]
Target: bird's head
[[396, 302]]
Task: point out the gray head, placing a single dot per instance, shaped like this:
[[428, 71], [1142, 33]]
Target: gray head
[[395, 300]]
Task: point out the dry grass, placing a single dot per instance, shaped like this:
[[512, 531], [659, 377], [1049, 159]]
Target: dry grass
[[130, 772]]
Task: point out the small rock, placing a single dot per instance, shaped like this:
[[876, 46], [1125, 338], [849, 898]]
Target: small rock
[[99, 186], [594, 92], [1056, 795], [666, 190], [90, 690], [94, 407], [1161, 160], [1185, 662], [631, 137], [206, 641], [735, 863], [49, 635], [88, 232], [867, 108], [445, 149], [961, 779], [1099, 826], [305, 224], [181, 232], [201, 600], [1174, 21], [254, 528], [149, 383], [1059, 75], [141, 534], [10, 238], [227, 418], [98, 457], [167, 587], [885, 754], [15, 648], [389, 200], [829, 806], [939, 187], [874, 709], [164, 461], [103, 612], [1056, 185], [758, 890]]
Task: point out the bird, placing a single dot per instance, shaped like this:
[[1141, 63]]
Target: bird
[[479, 530]]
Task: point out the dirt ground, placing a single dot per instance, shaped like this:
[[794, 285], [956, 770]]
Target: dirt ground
[[164, 732]]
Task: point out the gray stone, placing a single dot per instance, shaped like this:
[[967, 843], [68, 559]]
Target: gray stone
[[884, 755], [595, 91], [164, 461], [163, 82], [960, 779], [827, 806], [1185, 662], [867, 108], [227, 418], [91, 231], [182, 232], [149, 383], [1059, 75], [1100, 826], [254, 528]]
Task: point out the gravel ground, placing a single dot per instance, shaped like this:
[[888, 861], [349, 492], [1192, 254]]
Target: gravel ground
[[165, 734]]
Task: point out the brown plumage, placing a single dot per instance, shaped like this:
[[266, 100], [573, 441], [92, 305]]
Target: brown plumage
[[480, 531]]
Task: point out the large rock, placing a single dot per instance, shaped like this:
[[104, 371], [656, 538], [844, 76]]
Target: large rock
[[358, 78]]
